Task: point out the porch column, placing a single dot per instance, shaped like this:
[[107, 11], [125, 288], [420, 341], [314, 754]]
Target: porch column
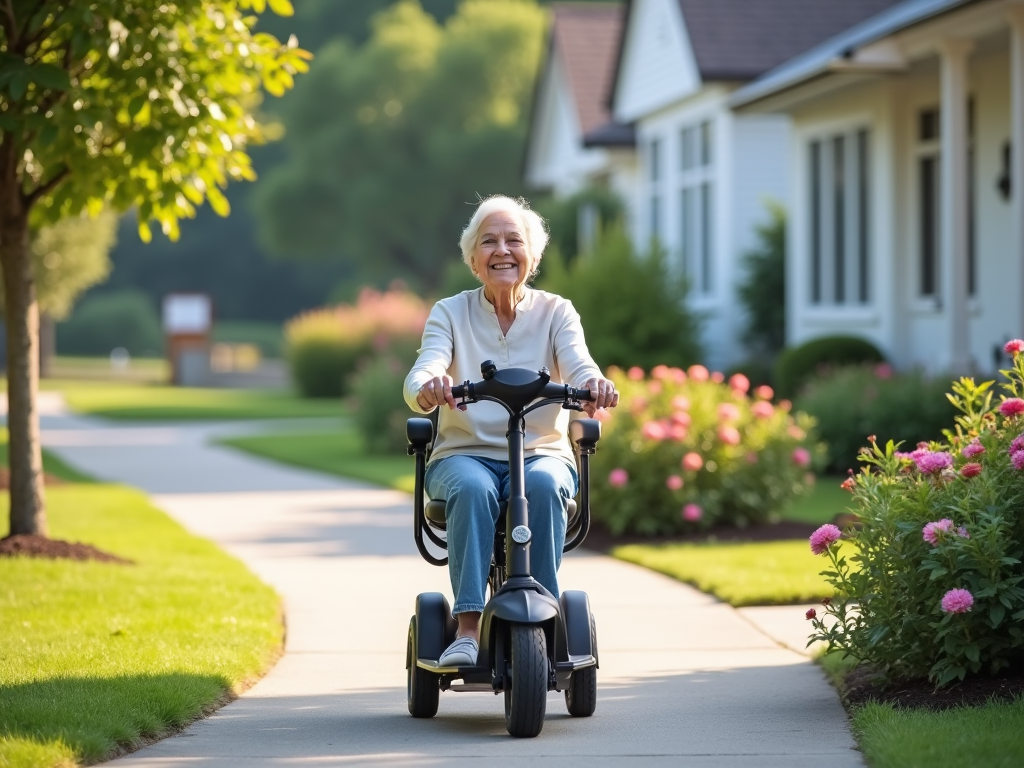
[[954, 54], [1016, 19]]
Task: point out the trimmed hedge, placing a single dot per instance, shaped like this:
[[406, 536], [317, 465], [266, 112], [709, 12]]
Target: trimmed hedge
[[796, 365]]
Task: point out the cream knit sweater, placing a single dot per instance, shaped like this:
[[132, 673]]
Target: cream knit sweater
[[462, 332]]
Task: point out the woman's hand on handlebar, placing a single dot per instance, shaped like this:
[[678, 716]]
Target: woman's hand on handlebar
[[603, 393], [437, 391]]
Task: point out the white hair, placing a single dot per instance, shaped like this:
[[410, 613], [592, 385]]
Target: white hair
[[535, 233]]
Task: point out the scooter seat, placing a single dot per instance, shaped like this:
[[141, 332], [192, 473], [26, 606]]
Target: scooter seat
[[436, 513]]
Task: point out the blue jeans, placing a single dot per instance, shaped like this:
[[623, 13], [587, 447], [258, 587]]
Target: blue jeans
[[472, 486]]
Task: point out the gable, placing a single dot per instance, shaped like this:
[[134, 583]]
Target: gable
[[554, 129], [657, 65]]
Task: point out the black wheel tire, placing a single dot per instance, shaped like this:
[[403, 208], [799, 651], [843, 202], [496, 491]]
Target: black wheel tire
[[526, 682], [581, 694], [423, 688]]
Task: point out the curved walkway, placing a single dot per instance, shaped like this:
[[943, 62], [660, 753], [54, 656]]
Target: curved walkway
[[684, 678]]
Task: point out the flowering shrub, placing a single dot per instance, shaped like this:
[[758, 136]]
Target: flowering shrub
[[686, 449], [324, 347], [938, 592]]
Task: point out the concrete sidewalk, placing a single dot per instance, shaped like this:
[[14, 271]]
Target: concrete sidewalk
[[684, 678]]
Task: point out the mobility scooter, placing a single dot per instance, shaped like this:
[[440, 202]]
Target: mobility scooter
[[530, 642]]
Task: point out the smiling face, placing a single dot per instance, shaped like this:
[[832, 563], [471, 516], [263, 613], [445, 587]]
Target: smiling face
[[500, 259]]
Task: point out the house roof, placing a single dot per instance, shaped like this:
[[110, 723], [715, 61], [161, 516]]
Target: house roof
[[743, 39], [819, 59], [585, 36]]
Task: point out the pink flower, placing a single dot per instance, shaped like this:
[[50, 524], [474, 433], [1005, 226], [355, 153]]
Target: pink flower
[[698, 373], [680, 403], [1012, 407], [654, 387], [659, 372], [692, 513], [932, 532], [1017, 444], [740, 383], [673, 482], [930, 463], [618, 477], [718, 377], [752, 457], [973, 448], [1018, 460], [811, 614], [692, 461], [801, 456], [637, 405], [728, 412], [765, 392], [970, 470], [785, 405], [635, 373], [762, 409], [962, 533], [678, 375], [1014, 347], [795, 432], [957, 601], [653, 430], [848, 484], [824, 537], [682, 418], [729, 435], [883, 371], [677, 432]]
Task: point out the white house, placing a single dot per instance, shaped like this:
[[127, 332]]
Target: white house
[[573, 144], [906, 181]]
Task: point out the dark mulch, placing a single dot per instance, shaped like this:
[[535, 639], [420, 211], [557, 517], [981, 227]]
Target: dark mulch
[[48, 479], [23, 545], [600, 539], [863, 685]]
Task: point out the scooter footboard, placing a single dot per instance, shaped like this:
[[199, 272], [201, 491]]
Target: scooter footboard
[[435, 627]]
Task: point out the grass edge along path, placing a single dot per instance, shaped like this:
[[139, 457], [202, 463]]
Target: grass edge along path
[[339, 453], [97, 659], [991, 735]]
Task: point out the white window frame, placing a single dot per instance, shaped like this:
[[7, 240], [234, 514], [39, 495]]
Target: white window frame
[[695, 196]]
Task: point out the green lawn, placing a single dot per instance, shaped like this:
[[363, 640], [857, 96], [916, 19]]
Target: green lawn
[[125, 400], [338, 453], [140, 369], [96, 658], [822, 504], [764, 573]]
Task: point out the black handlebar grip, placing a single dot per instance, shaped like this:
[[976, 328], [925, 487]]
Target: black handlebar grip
[[459, 390], [581, 394]]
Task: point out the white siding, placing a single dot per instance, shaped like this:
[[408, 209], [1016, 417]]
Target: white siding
[[657, 65]]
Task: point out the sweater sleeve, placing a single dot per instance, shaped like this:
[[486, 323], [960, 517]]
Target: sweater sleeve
[[570, 347], [435, 355]]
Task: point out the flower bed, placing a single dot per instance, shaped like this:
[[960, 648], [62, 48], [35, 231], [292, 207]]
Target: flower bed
[[686, 450], [939, 546]]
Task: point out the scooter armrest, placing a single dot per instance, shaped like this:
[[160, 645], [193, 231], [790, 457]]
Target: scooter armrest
[[420, 432], [585, 432]]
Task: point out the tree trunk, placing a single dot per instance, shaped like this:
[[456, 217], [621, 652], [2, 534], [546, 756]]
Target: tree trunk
[[28, 505], [47, 344]]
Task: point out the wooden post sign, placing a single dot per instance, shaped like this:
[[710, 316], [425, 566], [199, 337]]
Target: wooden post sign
[[188, 322]]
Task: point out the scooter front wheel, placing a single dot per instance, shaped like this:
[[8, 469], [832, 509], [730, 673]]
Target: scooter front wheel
[[526, 682]]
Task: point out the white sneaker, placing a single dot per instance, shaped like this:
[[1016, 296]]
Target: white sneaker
[[461, 653]]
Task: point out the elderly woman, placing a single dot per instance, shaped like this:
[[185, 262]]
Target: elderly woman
[[515, 326]]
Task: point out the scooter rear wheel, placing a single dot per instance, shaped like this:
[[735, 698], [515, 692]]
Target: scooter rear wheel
[[581, 693], [423, 689], [526, 682]]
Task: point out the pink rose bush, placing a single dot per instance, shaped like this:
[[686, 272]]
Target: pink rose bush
[[696, 441], [934, 567]]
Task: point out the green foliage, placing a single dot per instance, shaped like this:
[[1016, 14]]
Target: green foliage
[[682, 439], [633, 310], [69, 257], [796, 365], [101, 323], [379, 409], [852, 402], [929, 524], [99, 657], [325, 347], [563, 216], [145, 105], [763, 289], [389, 144]]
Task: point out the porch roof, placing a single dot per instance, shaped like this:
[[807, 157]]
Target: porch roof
[[823, 58]]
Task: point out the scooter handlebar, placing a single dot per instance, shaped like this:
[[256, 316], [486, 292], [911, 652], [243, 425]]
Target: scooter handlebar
[[466, 389]]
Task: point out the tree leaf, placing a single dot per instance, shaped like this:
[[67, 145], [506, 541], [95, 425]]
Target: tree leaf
[[282, 7], [50, 76]]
